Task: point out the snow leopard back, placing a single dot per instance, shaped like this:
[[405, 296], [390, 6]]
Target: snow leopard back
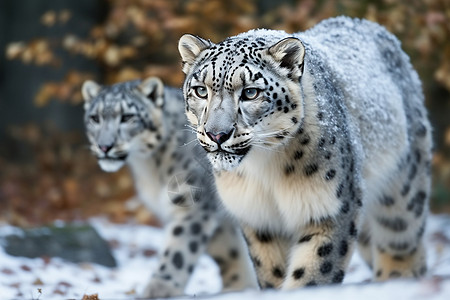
[[372, 78], [367, 62]]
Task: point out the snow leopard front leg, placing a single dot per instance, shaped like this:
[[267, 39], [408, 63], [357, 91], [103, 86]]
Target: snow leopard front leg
[[268, 253], [320, 255], [186, 242], [186, 239], [228, 249]]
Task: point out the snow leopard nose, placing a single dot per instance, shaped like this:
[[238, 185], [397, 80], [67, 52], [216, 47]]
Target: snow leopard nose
[[105, 148], [220, 137]]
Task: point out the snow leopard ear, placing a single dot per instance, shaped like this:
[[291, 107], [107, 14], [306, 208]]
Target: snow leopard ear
[[289, 53], [190, 46], [153, 88], [89, 91]]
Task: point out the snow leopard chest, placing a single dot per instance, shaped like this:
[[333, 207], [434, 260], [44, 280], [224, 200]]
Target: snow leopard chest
[[260, 194]]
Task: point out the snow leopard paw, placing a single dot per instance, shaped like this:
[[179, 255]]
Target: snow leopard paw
[[162, 288]]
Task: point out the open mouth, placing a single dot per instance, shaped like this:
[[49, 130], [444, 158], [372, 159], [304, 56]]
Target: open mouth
[[242, 151], [222, 160], [122, 157], [237, 152], [119, 158]]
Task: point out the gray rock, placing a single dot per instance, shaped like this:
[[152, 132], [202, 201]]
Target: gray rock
[[75, 243]]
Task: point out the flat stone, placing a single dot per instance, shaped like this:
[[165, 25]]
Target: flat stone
[[75, 243]]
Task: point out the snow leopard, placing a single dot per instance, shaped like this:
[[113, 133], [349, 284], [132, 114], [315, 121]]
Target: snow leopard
[[320, 143], [142, 124]]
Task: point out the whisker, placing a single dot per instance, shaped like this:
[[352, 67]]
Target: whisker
[[190, 142], [189, 130], [276, 136], [261, 146], [274, 133], [190, 126], [266, 143]]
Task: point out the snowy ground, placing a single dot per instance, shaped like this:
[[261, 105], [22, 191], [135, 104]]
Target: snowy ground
[[134, 247]]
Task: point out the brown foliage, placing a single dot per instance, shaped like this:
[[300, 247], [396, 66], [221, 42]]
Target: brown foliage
[[139, 38]]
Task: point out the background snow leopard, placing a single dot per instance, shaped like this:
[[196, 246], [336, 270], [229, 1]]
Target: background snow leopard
[[142, 124], [317, 139]]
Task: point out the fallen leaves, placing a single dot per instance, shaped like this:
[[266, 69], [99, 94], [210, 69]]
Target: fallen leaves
[[130, 292], [7, 271], [25, 268], [90, 297], [38, 281], [62, 288], [96, 279], [149, 252]]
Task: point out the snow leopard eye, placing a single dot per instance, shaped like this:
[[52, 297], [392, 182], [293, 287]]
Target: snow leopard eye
[[126, 117], [250, 94], [94, 118], [201, 92]]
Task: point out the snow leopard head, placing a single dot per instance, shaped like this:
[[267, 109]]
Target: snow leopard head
[[123, 119], [243, 93]]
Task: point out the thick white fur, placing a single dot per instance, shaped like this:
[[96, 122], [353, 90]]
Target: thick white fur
[[260, 190]]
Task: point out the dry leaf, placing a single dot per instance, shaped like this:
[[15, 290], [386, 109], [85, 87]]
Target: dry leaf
[[14, 50], [131, 292], [7, 271], [149, 252], [90, 297], [64, 16], [57, 291], [49, 18], [25, 268], [38, 281]]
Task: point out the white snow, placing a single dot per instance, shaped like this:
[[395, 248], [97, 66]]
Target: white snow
[[133, 247]]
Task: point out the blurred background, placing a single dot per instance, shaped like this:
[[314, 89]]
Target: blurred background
[[49, 47]]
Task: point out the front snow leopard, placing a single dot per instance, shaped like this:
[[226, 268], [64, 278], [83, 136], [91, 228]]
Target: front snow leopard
[[142, 124], [317, 139]]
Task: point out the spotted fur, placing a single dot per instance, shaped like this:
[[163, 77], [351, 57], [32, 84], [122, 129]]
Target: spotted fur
[[143, 125], [317, 139]]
